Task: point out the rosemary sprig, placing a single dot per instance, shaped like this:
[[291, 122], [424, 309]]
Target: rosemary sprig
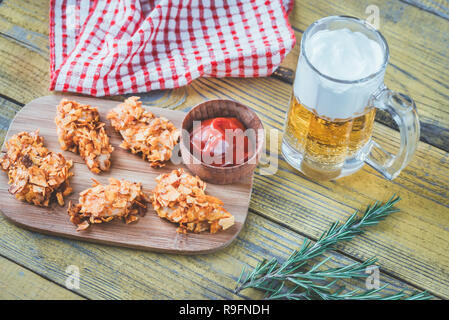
[[287, 280]]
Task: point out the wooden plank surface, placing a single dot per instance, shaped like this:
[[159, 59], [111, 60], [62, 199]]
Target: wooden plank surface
[[412, 245], [8, 110], [17, 282]]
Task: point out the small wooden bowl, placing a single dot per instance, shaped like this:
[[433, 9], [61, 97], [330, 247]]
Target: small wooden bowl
[[221, 108]]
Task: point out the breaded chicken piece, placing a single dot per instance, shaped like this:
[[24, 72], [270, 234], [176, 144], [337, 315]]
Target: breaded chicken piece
[[80, 130]]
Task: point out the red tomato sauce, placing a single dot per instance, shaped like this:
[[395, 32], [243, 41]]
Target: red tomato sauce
[[213, 142]]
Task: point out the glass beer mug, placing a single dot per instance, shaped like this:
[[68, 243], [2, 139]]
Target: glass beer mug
[[339, 84]]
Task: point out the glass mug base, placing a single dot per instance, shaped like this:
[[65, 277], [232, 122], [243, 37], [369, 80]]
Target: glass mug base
[[318, 171]]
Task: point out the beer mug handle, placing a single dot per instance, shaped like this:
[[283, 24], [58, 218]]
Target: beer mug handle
[[403, 111]]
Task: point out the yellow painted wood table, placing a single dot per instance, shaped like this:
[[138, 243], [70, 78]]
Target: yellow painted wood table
[[412, 245]]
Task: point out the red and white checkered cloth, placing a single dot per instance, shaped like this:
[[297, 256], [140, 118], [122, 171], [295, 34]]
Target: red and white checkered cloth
[[109, 47]]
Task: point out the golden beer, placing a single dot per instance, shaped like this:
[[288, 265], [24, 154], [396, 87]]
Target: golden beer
[[326, 143]]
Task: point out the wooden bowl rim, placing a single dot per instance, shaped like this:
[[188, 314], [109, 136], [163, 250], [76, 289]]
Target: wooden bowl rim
[[259, 141]]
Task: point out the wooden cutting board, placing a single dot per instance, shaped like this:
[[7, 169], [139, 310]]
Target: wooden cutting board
[[150, 232]]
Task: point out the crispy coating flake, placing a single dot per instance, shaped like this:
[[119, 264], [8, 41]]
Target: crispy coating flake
[[102, 203], [36, 175], [180, 198], [143, 132], [80, 131]]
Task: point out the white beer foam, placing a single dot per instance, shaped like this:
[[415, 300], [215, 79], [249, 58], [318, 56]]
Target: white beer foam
[[340, 54]]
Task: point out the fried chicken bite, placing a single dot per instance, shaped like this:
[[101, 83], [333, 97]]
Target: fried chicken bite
[[80, 130], [36, 175], [180, 198], [102, 203], [142, 132]]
